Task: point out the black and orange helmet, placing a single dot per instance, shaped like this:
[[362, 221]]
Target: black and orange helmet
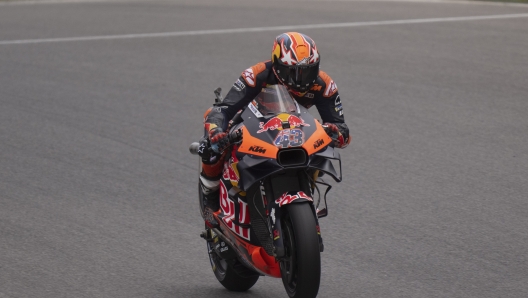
[[295, 60]]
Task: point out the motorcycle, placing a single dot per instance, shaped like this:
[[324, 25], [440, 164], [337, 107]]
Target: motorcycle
[[270, 193]]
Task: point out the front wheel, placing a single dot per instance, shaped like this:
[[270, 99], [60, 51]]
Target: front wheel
[[301, 267]]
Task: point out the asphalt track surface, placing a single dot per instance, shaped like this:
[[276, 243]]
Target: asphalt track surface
[[98, 190]]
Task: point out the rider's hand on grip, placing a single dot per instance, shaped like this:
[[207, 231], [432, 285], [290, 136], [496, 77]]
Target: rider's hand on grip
[[331, 130], [205, 152], [338, 138], [235, 136], [219, 139]]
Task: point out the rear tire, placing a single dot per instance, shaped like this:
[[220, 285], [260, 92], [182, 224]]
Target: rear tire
[[301, 268], [227, 276], [223, 271]]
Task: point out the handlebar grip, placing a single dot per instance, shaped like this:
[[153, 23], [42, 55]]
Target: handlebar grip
[[194, 148], [235, 136]]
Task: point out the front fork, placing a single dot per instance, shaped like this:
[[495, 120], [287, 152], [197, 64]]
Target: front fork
[[276, 212]]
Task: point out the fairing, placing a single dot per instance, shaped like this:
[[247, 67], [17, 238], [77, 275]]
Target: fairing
[[256, 182]]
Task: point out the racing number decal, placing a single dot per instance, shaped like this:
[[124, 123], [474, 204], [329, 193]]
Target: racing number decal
[[289, 138]]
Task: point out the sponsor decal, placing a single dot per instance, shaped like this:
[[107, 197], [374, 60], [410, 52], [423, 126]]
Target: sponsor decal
[[309, 95], [289, 138], [277, 122], [330, 89], [272, 124], [272, 215], [257, 149], [239, 85], [276, 234], [253, 109], [316, 87], [295, 121], [304, 61], [249, 77], [263, 195], [230, 173], [338, 101], [228, 208], [287, 198], [318, 143], [201, 148]]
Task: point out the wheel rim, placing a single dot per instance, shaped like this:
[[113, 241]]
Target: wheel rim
[[218, 264], [288, 264]]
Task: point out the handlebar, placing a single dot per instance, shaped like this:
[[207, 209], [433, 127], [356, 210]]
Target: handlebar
[[233, 136], [194, 148]]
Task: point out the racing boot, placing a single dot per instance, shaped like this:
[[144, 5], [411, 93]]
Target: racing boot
[[211, 199]]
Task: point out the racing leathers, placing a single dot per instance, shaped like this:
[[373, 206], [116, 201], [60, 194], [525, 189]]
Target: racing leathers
[[323, 94]]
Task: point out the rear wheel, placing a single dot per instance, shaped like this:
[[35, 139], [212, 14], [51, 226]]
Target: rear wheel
[[231, 274], [227, 275], [301, 268]]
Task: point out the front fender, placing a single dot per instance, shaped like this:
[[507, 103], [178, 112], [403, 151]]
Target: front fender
[[289, 197], [274, 211]]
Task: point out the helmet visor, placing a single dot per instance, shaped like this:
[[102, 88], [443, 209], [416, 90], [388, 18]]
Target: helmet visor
[[298, 76]]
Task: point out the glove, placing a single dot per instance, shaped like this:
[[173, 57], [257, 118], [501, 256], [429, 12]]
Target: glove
[[219, 140], [331, 130], [339, 140], [205, 152]]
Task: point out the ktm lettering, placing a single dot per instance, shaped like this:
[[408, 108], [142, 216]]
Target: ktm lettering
[[316, 87], [257, 149], [318, 143]]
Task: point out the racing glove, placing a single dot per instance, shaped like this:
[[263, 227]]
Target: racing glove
[[333, 132], [205, 152], [219, 140]]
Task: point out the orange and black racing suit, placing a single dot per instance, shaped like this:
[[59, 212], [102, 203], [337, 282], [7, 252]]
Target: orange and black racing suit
[[323, 94]]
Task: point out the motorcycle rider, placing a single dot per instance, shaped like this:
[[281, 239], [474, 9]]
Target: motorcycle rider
[[294, 64]]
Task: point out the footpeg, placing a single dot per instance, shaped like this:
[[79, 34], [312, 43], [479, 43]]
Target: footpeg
[[209, 236]]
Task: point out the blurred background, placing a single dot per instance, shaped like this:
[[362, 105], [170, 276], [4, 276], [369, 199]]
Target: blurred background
[[99, 101]]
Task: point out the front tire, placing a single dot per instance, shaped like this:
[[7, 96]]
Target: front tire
[[301, 268]]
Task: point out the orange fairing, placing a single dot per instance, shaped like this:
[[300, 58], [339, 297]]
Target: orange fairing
[[255, 146], [261, 260], [264, 262], [256, 255], [317, 141]]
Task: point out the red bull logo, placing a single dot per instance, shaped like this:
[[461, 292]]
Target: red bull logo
[[276, 123], [295, 121], [272, 124]]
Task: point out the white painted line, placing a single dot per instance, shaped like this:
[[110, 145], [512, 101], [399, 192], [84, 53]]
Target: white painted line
[[31, 2], [264, 29], [466, 2]]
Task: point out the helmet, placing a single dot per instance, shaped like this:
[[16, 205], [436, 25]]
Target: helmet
[[295, 61]]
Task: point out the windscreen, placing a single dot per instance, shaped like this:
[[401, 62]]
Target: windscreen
[[275, 99]]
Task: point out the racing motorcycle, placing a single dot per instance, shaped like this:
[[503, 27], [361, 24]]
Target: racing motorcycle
[[270, 196]]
